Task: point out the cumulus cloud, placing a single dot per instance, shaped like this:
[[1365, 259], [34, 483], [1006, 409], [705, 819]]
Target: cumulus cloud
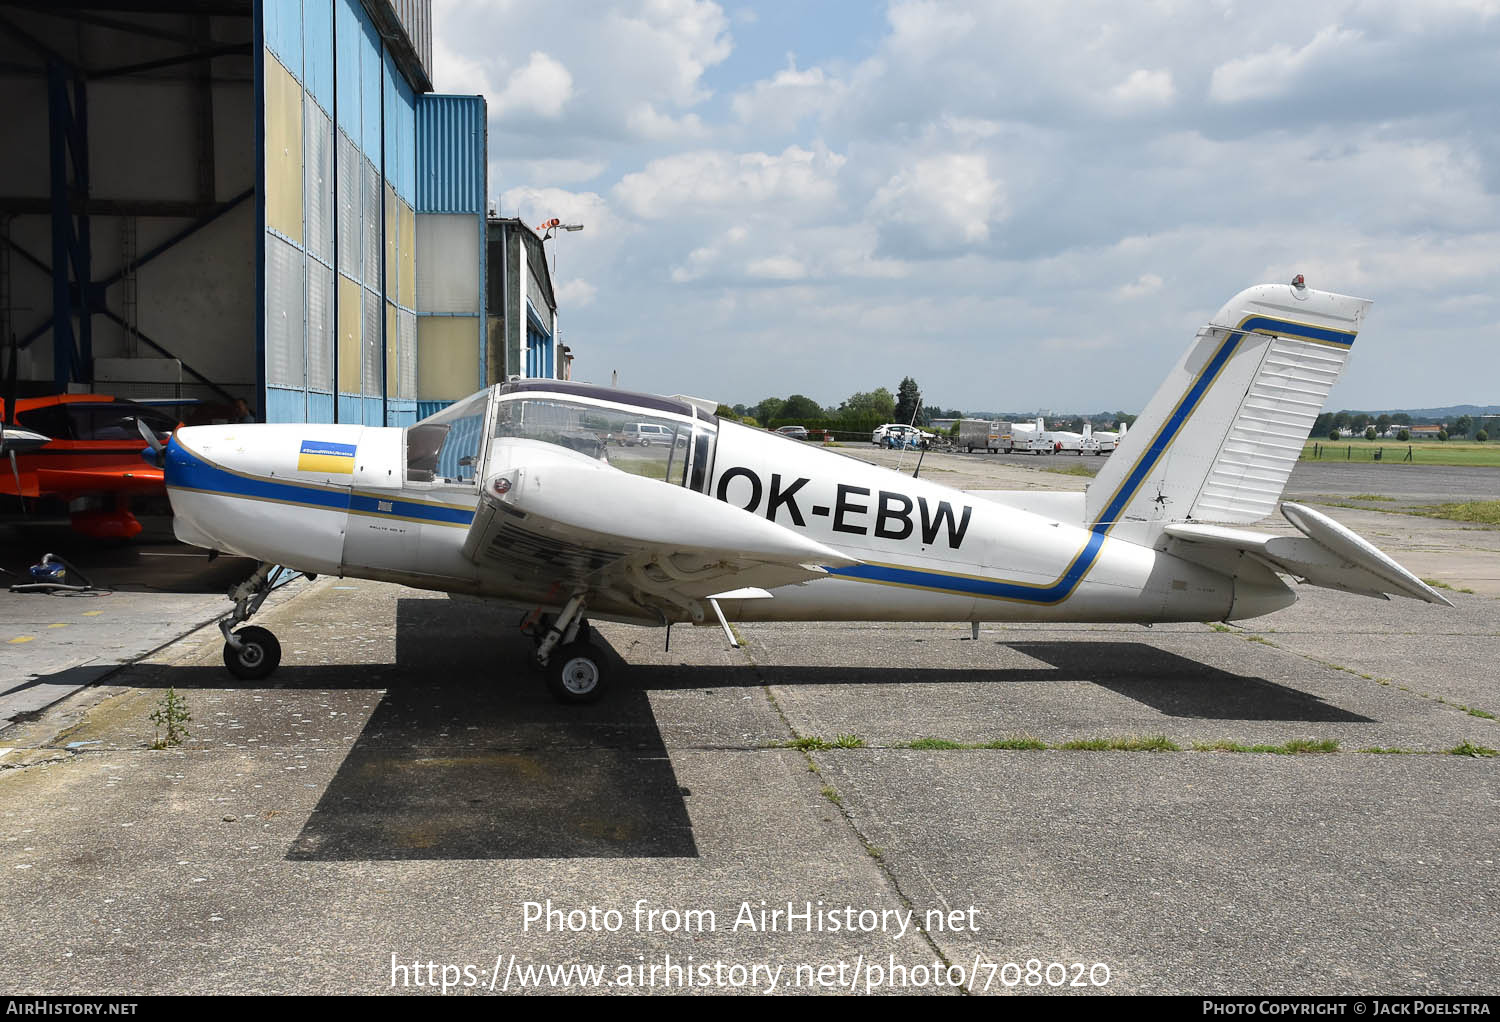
[[788, 97], [646, 122], [1275, 71], [1145, 284], [583, 75], [1039, 166], [575, 293], [546, 171], [794, 179], [542, 88], [950, 196], [1142, 88]]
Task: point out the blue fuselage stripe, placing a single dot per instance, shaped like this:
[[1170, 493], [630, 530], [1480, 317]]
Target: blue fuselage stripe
[[1167, 433], [186, 471]]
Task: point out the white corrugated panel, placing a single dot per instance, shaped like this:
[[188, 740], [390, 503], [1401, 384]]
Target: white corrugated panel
[[319, 326], [406, 353], [374, 333], [447, 262], [1266, 438], [286, 306], [370, 224], [350, 201], [318, 188]]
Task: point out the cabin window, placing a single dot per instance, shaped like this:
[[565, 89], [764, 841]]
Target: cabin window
[[444, 448], [651, 445]]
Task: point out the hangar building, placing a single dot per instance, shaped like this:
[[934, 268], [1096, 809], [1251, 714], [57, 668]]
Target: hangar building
[[258, 199]]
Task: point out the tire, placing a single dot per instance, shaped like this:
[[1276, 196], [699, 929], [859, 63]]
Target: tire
[[576, 673], [260, 655]]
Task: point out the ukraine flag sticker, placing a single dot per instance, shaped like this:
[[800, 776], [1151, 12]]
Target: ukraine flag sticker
[[323, 456]]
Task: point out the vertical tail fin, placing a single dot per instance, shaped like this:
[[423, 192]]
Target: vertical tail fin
[[1219, 439]]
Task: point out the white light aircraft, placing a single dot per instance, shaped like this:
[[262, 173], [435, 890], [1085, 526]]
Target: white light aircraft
[[522, 494]]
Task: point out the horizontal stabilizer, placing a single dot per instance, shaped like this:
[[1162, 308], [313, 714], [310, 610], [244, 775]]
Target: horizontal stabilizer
[[1326, 554]]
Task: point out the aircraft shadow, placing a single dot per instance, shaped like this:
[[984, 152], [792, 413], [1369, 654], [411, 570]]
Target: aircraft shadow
[[1174, 685], [468, 757]]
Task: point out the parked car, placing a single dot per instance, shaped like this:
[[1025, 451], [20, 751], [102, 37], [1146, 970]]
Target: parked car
[[795, 432], [898, 434], [646, 434]]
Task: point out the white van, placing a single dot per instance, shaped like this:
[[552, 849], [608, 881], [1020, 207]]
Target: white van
[[646, 434]]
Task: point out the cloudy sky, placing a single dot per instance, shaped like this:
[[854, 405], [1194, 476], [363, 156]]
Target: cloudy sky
[[1019, 204]]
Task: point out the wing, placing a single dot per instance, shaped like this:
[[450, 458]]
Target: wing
[[553, 519], [99, 480]]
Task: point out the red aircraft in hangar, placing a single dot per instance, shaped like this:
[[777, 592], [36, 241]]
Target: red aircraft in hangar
[[68, 446]]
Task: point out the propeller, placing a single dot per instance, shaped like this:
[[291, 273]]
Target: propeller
[[152, 455]]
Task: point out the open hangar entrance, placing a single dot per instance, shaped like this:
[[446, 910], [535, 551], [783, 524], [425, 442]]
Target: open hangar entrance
[[221, 199], [128, 197]]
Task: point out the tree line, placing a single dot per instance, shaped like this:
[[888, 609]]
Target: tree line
[[1336, 425], [862, 411]]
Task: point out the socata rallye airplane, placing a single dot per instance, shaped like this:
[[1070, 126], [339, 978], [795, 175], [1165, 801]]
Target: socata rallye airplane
[[571, 500]]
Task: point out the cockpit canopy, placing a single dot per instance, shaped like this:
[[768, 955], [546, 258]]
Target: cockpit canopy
[[657, 437]]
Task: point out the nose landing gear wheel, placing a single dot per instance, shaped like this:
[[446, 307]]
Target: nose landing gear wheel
[[575, 673], [259, 654]]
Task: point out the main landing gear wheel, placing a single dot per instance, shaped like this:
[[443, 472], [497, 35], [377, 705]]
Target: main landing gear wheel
[[576, 674], [259, 654]]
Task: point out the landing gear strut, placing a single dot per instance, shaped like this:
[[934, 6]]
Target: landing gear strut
[[251, 653], [575, 666]]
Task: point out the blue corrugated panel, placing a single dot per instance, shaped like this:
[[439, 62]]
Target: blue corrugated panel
[[429, 408], [371, 78], [374, 411], [400, 413], [317, 51], [400, 132], [283, 28], [349, 40], [285, 405], [319, 407], [351, 408], [465, 437], [451, 167]]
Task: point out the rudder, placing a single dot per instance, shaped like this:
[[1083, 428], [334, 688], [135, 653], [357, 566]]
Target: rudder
[[1218, 440]]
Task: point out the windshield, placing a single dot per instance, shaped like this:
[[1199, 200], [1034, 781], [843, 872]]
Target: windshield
[[444, 448], [672, 448]]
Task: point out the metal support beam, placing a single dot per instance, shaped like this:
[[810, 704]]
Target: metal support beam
[[22, 205], [203, 110], [120, 25], [18, 250], [59, 128], [220, 7], [227, 50], [110, 315], [181, 235], [12, 29]]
